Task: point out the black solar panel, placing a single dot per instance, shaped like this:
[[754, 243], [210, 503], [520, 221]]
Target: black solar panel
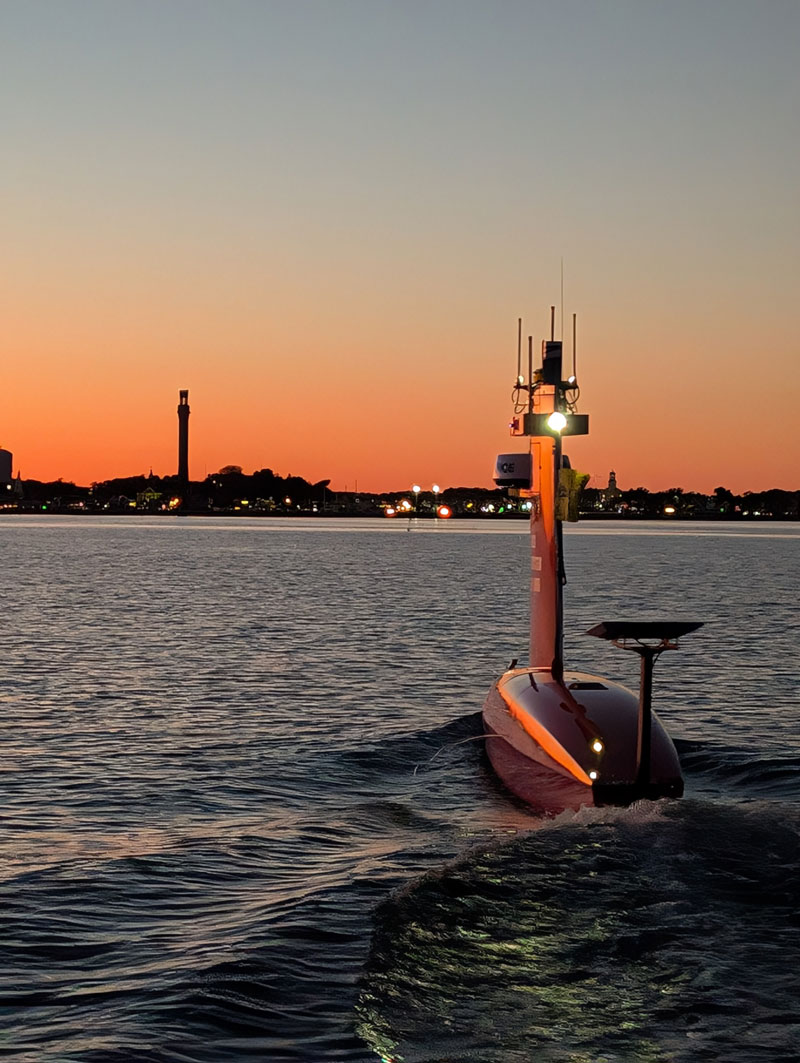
[[642, 629]]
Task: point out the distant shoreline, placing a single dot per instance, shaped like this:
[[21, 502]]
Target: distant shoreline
[[624, 518]]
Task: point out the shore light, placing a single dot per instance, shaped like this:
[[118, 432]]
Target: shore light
[[557, 421]]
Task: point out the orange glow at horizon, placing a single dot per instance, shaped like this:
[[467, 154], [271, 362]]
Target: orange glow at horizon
[[331, 255], [378, 410]]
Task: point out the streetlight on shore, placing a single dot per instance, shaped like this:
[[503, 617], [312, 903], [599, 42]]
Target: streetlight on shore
[[416, 489]]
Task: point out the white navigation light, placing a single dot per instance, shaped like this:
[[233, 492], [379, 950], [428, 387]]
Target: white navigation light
[[593, 775], [597, 746], [557, 421]]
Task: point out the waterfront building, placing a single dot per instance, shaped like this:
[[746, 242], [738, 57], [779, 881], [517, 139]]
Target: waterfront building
[[6, 460]]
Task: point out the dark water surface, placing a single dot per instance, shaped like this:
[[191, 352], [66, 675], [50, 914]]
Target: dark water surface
[[246, 816]]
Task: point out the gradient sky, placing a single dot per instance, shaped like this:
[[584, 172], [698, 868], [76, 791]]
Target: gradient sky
[[324, 219]]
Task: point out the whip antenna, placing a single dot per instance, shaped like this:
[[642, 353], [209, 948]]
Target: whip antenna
[[562, 299], [574, 346], [519, 348], [530, 374], [552, 322]]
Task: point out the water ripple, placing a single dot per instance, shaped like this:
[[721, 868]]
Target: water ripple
[[225, 743]]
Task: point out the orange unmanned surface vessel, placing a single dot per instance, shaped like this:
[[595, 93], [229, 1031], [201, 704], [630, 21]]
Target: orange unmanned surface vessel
[[559, 738]]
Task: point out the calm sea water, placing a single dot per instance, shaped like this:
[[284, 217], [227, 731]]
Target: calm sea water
[[246, 814]]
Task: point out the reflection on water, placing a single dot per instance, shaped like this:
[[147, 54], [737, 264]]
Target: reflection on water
[[232, 750]]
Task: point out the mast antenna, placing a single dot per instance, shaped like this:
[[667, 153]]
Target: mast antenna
[[574, 346], [530, 374], [519, 348], [552, 322], [562, 298]]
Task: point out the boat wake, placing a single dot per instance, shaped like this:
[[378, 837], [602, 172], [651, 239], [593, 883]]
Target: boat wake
[[660, 932]]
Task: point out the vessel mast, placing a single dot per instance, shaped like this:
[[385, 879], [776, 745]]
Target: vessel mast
[[546, 597], [547, 404]]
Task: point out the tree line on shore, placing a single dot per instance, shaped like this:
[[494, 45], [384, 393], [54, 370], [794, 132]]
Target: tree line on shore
[[640, 502], [264, 491]]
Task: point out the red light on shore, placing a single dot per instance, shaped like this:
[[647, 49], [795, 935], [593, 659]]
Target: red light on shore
[[389, 512], [444, 512]]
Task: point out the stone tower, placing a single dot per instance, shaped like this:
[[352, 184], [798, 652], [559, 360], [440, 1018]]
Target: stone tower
[[183, 437]]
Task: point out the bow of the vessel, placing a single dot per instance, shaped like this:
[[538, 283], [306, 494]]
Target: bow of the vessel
[[565, 744]]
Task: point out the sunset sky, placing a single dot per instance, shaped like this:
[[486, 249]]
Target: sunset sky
[[324, 219]]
